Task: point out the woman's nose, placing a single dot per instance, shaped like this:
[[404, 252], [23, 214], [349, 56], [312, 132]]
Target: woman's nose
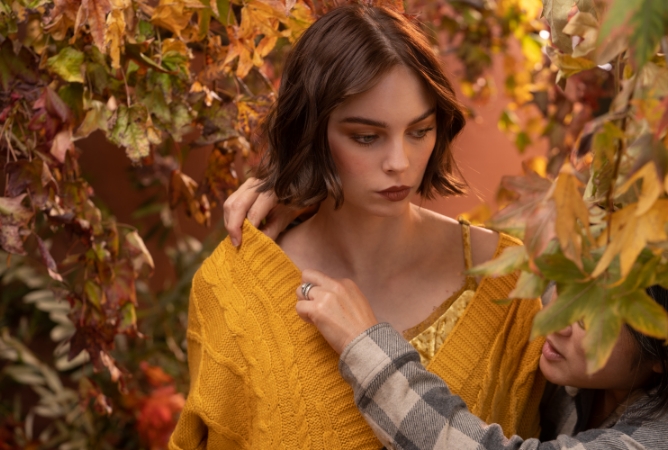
[[565, 331], [397, 158]]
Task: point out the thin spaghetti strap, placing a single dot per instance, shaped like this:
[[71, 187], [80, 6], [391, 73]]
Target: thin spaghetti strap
[[466, 240]]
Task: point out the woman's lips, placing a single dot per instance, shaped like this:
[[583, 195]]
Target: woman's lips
[[550, 353], [396, 193]]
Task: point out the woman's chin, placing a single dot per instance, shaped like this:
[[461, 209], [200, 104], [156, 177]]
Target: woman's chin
[[552, 372]]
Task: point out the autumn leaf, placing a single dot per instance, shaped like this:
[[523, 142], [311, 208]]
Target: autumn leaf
[[529, 285], [174, 15], [509, 261], [13, 66], [13, 218], [94, 13], [540, 228], [556, 14], [183, 188], [97, 118], [568, 65], [531, 190], [62, 143], [585, 26], [62, 18], [574, 301], [651, 187], [137, 251], [572, 214], [644, 314], [630, 233], [115, 32], [220, 178], [47, 259], [603, 325], [129, 132]]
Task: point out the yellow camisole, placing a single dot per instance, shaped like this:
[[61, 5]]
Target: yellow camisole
[[429, 335]]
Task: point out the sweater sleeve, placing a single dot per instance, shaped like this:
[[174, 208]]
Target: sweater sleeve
[[191, 431], [411, 408]]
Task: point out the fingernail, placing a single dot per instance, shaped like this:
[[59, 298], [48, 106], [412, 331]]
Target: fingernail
[[235, 241]]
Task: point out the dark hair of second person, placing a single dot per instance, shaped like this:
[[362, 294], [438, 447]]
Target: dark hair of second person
[[342, 54]]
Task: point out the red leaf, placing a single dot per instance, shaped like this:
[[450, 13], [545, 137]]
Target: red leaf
[[33, 177], [10, 240], [48, 259]]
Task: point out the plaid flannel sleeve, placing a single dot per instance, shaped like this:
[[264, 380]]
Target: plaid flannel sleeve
[[410, 408]]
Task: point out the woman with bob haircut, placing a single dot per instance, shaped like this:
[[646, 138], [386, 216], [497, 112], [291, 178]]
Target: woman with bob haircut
[[364, 120]]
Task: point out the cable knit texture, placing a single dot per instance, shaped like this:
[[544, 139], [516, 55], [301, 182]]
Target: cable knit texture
[[261, 378]]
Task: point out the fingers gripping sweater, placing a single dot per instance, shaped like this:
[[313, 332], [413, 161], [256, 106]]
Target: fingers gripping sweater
[[263, 379]]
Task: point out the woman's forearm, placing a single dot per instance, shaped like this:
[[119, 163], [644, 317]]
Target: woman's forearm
[[411, 408]]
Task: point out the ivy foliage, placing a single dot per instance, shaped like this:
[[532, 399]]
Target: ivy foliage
[[597, 227], [159, 78]]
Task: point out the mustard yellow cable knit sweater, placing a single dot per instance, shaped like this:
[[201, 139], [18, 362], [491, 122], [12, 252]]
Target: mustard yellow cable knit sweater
[[261, 378]]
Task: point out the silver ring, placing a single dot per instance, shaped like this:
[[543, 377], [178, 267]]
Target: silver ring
[[306, 287]]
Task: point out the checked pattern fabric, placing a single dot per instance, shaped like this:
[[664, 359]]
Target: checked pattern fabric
[[410, 408]]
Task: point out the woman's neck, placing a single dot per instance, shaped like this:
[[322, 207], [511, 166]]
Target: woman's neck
[[606, 403], [359, 245]]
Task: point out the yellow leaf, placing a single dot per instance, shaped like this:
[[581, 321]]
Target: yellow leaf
[[567, 64], [174, 45], [113, 36], [571, 208], [175, 14], [630, 233], [651, 188], [586, 26], [537, 164]]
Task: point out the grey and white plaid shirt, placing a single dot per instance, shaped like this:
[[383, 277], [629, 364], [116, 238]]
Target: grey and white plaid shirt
[[410, 408]]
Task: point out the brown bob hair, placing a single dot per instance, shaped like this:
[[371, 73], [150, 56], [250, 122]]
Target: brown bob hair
[[344, 53]]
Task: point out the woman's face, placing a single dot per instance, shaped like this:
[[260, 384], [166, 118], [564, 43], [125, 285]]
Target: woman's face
[[381, 141], [563, 362]]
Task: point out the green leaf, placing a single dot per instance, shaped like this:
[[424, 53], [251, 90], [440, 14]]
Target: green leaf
[[225, 15], [522, 141], [556, 14], [644, 314], [181, 120], [529, 285], [130, 132], [573, 302], [603, 325], [72, 95], [648, 28], [511, 260], [617, 16], [68, 64], [555, 266], [97, 118], [14, 66]]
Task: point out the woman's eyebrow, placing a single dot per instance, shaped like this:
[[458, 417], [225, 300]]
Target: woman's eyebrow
[[376, 123]]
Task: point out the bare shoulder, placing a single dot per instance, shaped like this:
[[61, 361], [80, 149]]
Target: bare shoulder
[[483, 241], [483, 244]]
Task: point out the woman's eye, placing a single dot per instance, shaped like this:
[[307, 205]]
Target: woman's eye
[[421, 134], [365, 139], [581, 324]]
